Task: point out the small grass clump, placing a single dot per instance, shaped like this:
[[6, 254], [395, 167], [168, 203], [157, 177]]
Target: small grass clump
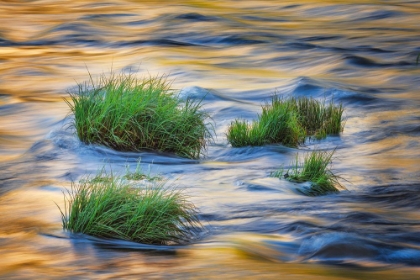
[[139, 174], [314, 169], [288, 121], [126, 113], [112, 209]]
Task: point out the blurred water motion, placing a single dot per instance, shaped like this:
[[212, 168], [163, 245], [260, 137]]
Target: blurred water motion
[[234, 55]]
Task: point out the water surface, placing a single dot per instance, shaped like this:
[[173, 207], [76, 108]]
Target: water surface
[[235, 54]]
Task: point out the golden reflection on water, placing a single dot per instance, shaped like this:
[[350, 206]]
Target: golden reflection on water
[[35, 78]]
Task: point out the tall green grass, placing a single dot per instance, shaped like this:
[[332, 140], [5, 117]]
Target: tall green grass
[[317, 117], [126, 113], [313, 168], [288, 121], [111, 208]]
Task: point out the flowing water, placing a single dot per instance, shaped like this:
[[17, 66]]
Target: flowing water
[[235, 55]]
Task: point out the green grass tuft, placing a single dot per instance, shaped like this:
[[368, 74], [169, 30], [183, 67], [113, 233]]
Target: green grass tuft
[[139, 174], [130, 114], [111, 208], [241, 133], [314, 169], [288, 121]]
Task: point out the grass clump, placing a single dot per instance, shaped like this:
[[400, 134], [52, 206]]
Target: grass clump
[[126, 113], [112, 209], [288, 121], [314, 169], [139, 174]]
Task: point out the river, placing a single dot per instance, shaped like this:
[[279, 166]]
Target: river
[[234, 55]]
